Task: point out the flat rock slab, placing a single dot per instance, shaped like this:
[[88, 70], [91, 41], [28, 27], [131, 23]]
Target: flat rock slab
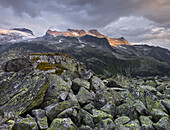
[[30, 94]]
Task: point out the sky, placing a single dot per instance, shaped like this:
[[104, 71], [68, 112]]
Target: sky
[[138, 21]]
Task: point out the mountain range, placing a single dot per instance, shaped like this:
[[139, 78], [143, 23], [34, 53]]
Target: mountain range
[[101, 54], [78, 33]]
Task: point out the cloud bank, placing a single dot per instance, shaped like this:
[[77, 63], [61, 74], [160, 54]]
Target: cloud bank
[[140, 21]]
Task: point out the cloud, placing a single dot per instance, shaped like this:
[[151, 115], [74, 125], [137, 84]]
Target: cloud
[[92, 11], [132, 19]]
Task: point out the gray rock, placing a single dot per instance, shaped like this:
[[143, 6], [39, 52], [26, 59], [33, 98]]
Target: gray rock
[[167, 91], [29, 93], [106, 124], [109, 108], [63, 124], [27, 123], [72, 113], [122, 120], [8, 125], [133, 125], [97, 84], [87, 118], [89, 107], [77, 83], [57, 87], [140, 107], [85, 127], [158, 114], [103, 96], [53, 110], [146, 123], [84, 96], [40, 118], [16, 65], [98, 116], [128, 110], [166, 103], [121, 127], [163, 124]]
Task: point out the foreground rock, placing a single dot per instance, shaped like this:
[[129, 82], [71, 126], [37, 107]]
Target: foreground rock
[[57, 92]]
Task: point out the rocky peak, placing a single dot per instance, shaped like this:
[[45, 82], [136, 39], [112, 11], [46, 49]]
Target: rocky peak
[[95, 32], [119, 41], [80, 32], [23, 30]]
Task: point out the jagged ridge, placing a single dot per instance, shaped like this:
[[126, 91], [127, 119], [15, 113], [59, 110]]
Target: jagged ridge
[[77, 33]]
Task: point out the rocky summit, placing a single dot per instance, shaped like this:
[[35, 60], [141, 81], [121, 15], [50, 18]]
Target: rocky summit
[[54, 91], [77, 33]]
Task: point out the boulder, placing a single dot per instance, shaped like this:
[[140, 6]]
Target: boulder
[[16, 65], [72, 113], [158, 114], [27, 95], [163, 124], [128, 110], [106, 124], [77, 83], [166, 103], [63, 124], [152, 101], [9, 81], [89, 107], [87, 118], [109, 108], [149, 88], [27, 123], [98, 116], [57, 91], [84, 96], [85, 127], [53, 110], [133, 125], [40, 118], [122, 120], [121, 127], [150, 83], [9, 125], [103, 96], [122, 81], [112, 84], [97, 84], [146, 123], [140, 107]]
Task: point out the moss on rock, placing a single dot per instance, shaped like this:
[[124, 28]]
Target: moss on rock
[[40, 118], [84, 96], [31, 94], [63, 124], [163, 124], [27, 123], [87, 118], [106, 124], [98, 116], [122, 120], [146, 122]]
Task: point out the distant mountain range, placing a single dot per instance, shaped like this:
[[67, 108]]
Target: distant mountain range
[[78, 33], [103, 55], [15, 35]]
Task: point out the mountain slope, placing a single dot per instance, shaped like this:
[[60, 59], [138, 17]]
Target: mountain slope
[[14, 35], [98, 55], [78, 33]]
